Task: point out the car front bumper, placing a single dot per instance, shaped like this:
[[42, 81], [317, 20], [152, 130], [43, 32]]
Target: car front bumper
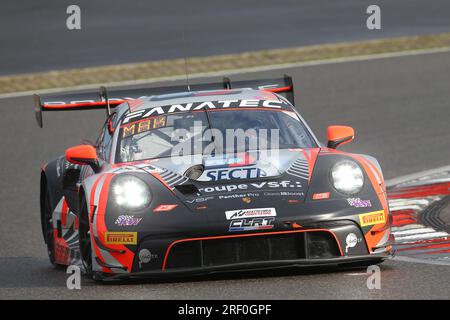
[[339, 262]]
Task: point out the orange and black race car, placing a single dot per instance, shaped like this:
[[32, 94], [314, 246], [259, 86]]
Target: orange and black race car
[[223, 177]]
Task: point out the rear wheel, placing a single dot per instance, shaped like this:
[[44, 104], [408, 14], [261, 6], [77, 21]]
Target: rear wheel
[[47, 224], [85, 237]]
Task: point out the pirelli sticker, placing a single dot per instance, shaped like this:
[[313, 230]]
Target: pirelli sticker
[[121, 237], [372, 218]]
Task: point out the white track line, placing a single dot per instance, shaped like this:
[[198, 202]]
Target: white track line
[[232, 71]]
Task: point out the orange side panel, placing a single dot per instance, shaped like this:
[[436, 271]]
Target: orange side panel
[[91, 212], [125, 259], [376, 233]]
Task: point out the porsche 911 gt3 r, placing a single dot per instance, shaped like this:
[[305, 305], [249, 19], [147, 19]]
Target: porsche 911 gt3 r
[[224, 177]]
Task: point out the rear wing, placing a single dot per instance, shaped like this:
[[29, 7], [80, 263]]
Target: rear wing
[[108, 99]]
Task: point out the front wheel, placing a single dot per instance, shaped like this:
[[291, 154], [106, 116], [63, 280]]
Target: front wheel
[[85, 237], [47, 224]]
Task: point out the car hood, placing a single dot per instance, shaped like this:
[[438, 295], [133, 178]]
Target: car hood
[[253, 179], [238, 166], [250, 179]]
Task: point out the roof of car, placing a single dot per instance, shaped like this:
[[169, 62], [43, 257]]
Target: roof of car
[[200, 100], [204, 96]]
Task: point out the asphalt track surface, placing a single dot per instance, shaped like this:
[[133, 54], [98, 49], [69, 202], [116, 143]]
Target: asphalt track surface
[[34, 37], [399, 108]]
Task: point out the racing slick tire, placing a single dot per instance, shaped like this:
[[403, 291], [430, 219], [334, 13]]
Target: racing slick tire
[[84, 233], [47, 227]]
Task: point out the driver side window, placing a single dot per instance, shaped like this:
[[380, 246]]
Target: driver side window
[[104, 141]]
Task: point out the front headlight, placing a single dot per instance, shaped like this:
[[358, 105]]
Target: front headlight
[[347, 177], [130, 192]]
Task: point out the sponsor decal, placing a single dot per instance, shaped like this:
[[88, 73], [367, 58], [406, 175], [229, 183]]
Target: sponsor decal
[[126, 220], [143, 126], [226, 161], [238, 196], [207, 105], [253, 186], [358, 203], [235, 173], [246, 199], [145, 256], [165, 207], [321, 196], [251, 219], [351, 241], [250, 213], [120, 237], [284, 193], [372, 218], [251, 224], [198, 200]]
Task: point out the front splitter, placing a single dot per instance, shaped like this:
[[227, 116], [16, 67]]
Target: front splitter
[[251, 266]]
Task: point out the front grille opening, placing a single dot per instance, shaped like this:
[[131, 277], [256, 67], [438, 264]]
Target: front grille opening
[[322, 245], [252, 249], [185, 255], [217, 252]]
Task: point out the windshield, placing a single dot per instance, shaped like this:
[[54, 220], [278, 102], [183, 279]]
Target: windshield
[[210, 133]]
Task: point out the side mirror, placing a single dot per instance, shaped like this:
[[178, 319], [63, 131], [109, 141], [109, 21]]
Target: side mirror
[[339, 135], [84, 155]]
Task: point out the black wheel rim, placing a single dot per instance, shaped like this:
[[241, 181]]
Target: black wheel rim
[[85, 238]]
